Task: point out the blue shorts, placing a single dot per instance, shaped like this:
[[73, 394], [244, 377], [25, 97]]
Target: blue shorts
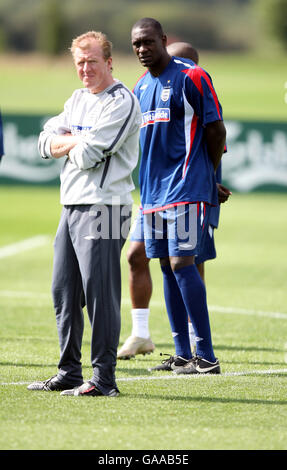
[[176, 231], [207, 246], [208, 249]]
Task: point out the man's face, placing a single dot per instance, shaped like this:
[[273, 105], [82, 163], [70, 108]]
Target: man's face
[[93, 70], [148, 45]]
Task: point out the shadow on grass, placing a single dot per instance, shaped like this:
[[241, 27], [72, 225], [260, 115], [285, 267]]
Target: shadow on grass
[[133, 372], [29, 364], [255, 363], [223, 347], [160, 347], [36, 339], [200, 399]]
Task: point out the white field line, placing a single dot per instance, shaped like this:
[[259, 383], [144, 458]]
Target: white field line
[[239, 311], [243, 311], [40, 240], [176, 376], [24, 245], [126, 301], [24, 294]]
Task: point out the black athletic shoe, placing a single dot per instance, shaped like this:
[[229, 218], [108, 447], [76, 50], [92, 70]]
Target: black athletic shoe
[[198, 365], [88, 389], [172, 363], [51, 385]]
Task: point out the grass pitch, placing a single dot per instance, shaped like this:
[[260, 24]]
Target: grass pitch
[[244, 408]]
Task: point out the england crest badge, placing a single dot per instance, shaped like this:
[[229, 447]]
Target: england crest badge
[[165, 94]]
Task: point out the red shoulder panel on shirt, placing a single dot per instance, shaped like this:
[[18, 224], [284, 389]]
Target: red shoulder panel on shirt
[[196, 74]]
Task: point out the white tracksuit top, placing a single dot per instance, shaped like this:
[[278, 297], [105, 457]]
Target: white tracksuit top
[[99, 168]]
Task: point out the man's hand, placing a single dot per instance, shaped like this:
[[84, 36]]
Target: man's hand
[[223, 193]]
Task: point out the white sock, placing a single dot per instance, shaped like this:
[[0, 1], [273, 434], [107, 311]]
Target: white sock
[[140, 318], [191, 335]]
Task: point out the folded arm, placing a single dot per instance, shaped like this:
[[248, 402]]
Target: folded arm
[[60, 145]]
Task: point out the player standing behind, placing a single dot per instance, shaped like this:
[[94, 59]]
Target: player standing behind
[[97, 134], [140, 279], [182, 141]]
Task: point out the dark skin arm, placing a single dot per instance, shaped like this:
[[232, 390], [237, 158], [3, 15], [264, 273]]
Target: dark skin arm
[[215, 136]]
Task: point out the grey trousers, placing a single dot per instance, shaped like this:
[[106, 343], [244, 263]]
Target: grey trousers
[[87, 252]]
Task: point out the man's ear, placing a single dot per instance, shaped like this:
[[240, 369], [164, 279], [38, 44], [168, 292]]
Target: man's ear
[[110, 63]]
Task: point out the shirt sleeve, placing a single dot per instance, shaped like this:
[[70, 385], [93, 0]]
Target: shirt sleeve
[[109, 132], [202, 96]]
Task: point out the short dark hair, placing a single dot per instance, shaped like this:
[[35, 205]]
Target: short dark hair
[[151, 22]]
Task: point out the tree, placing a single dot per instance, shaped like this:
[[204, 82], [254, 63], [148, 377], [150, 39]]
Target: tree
[[52, 30], [276, 18]]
